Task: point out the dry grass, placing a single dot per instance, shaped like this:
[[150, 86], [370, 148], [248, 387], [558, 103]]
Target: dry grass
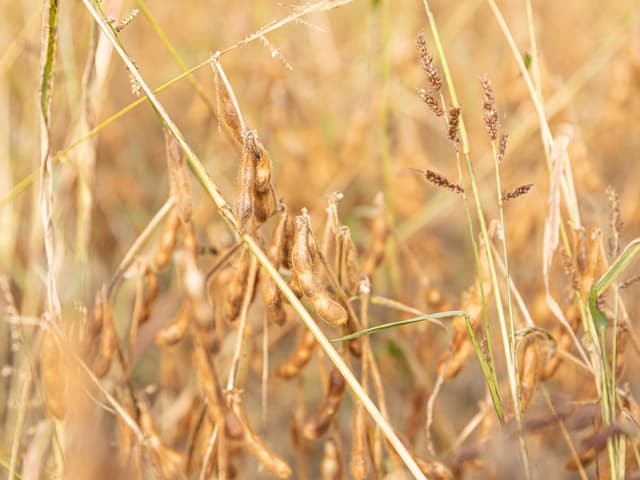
[[484, 155]]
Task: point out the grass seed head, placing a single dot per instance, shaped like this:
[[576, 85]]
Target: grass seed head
[[453, 120], [431, 101], [490, 113], [502, 146], [426, 59], [440, 180], [517, 192]]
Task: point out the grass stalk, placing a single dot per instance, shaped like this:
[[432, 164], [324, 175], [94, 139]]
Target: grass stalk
[[508, 342]]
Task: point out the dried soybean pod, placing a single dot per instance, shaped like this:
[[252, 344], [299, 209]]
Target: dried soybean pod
[[167, 241], [433, 469], [294, 285], [287, 244], [348, 271], [217, 410], [169, 462], [316, 425], [178, 178], [189, 239], [264, 204], [300, 356], [331, 465], [228, 109], [359, 467], [257, 448], [54, 376], [149, 297], [379, 234], [108, 341], [273, 303], [276, 250], [303, 254], [270, 292], [236, 289], [330, 242], [174, 331], [263, 167], [328, 309], [246, 180]]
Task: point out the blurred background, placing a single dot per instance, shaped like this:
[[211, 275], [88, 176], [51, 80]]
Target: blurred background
[[333, 98]]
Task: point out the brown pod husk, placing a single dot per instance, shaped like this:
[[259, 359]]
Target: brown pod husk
[[271, 462], [237, 287], [300, 356], [263, 167], [264, 204], [150, 294], [303, 256], [348, 273], [245, 182], [218, 412], [331, 465], [228, 110], [108, 342], [174, 331], [167, 241], [316, 425], [178, 178]]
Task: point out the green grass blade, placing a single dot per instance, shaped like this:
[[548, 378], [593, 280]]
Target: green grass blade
[[409, 321]]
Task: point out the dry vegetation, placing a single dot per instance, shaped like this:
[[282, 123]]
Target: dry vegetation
[[174, 252]]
